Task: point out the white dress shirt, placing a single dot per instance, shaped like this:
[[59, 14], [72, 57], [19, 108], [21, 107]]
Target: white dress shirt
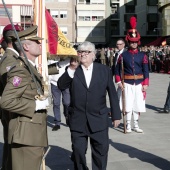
[[87, 73]]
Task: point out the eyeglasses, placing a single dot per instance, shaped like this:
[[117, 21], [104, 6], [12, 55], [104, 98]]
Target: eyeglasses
[[85, 52], [119, 44]]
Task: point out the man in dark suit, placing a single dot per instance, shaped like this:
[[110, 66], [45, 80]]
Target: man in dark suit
[[88, 112], [120, 44]]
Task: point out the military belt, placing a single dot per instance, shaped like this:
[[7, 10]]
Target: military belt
[[133, 77]]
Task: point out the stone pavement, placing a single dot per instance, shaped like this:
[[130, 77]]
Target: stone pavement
[[147, 151]]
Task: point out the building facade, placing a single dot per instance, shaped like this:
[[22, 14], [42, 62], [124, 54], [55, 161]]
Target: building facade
[[63, 12], [164, 8], [20, 13], [146, 12], [99, 21]]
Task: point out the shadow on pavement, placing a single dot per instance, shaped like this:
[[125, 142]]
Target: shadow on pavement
[[142, 155], [57, 158], [50, 122], [153, 107]]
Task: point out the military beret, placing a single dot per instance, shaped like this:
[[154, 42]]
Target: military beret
[[10, 28], [29, 34], [9, 32]]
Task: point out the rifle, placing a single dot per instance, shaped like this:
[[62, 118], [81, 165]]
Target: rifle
[[123, 97]]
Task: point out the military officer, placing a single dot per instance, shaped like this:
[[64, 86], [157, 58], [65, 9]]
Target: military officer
[[9, 58], [27, 128]]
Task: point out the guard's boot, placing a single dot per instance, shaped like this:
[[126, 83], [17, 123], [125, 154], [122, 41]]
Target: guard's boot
[[128, 122], [128, 126], [136, 126]]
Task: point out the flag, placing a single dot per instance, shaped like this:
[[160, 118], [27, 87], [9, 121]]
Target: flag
[[58, 44]]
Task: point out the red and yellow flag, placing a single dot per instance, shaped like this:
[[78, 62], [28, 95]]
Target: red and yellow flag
[[58, 44]]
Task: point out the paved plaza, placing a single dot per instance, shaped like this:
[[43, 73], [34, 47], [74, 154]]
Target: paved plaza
[[147, 151]]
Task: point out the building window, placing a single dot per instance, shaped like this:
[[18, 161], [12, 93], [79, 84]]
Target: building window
[[152, 26], [84, 15], [130, 9], [114, 8], [90, 15], [54, 13], [64, 30], [81, 1], [63, 14], [152, 2], [91, 1], [97, 15], [26, 21], [3, 12], [114, 27]]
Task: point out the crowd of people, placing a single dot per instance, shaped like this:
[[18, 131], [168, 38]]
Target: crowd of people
[[158, 57]]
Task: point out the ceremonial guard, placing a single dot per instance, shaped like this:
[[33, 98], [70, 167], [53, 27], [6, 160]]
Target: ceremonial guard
[[27, 128], [9, 59], [134, 65]]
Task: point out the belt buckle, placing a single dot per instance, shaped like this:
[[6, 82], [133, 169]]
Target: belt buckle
[[135, 76]]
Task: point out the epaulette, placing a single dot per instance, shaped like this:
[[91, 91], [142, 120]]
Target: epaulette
[[16, 65]]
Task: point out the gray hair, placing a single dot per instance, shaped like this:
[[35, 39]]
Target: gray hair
[[18, 45], [87, 46]]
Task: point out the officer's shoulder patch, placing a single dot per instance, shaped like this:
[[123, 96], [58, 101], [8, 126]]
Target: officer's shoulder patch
[[16, 81]]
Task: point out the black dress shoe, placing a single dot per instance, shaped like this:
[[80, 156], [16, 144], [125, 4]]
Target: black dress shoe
[[56, 127], [166, 111]]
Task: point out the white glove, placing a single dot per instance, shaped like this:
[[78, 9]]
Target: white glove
[[41, 104]]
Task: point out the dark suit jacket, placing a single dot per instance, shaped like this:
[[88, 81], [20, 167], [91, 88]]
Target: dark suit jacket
[[89, 104], [114, 61]]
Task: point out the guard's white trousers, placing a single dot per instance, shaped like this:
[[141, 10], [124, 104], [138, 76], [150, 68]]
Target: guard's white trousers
[[134, 99]]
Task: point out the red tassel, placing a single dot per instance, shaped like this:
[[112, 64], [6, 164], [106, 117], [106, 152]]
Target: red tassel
[[133, 22]]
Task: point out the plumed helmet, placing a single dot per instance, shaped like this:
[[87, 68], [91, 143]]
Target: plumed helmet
[[132, 34]]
